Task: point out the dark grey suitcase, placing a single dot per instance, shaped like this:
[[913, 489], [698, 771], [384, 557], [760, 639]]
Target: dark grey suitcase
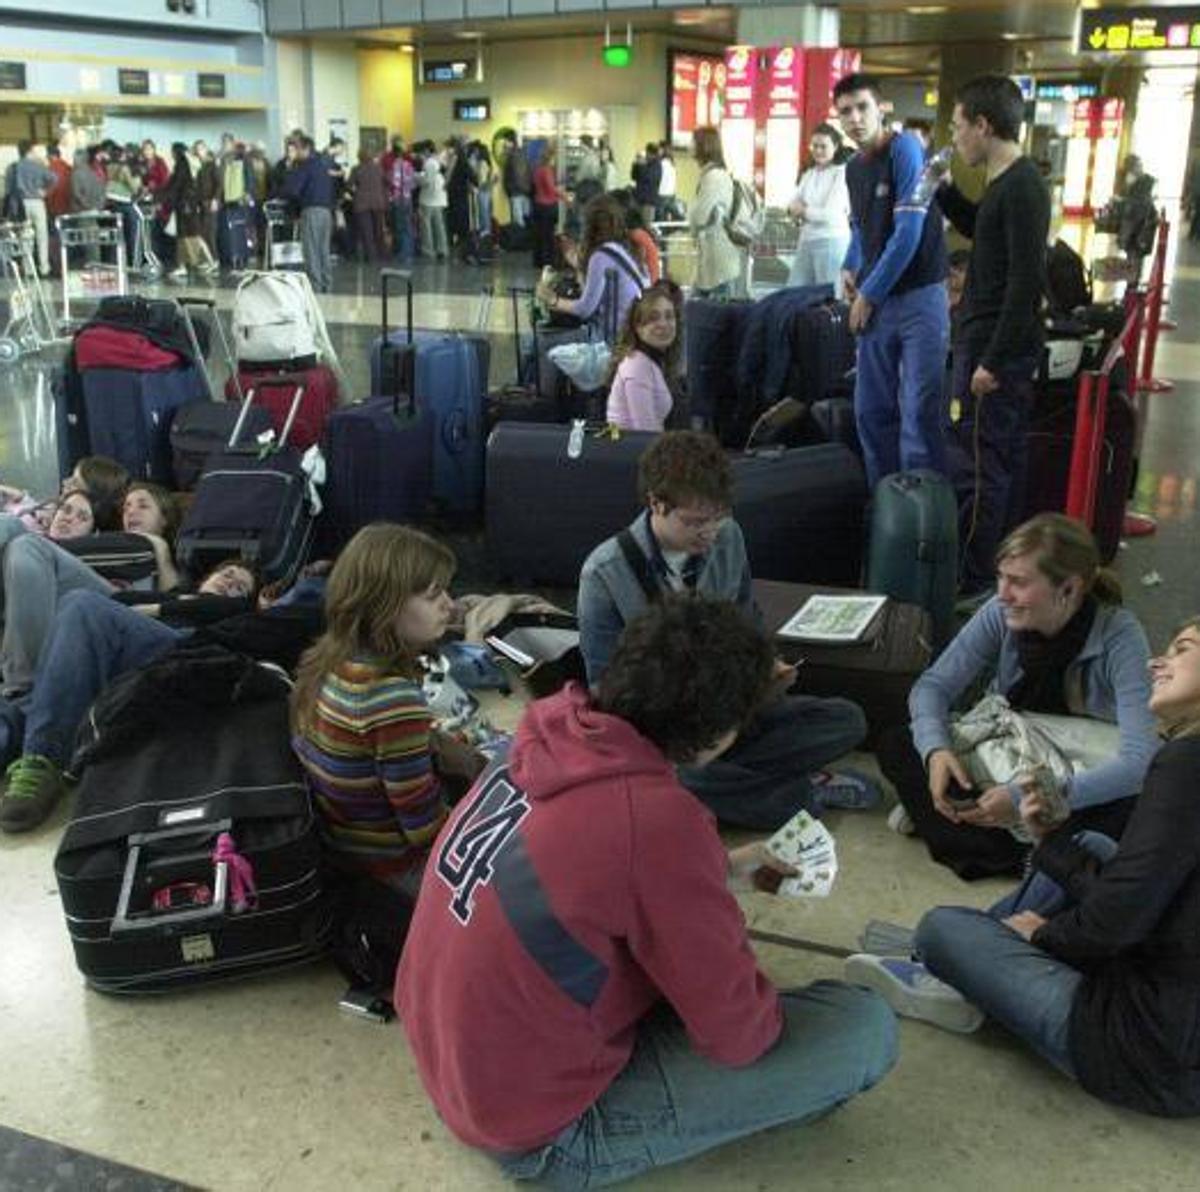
[[913, 553]]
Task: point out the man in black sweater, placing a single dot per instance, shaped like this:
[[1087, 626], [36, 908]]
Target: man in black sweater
[[999, 337]]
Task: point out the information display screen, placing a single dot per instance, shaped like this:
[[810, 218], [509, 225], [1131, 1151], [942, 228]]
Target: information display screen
[[1132, 30]]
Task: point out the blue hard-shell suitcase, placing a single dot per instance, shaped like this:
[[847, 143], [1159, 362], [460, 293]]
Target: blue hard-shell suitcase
[[449, 376]]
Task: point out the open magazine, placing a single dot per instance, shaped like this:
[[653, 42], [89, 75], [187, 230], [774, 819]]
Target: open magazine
[[831, 619]]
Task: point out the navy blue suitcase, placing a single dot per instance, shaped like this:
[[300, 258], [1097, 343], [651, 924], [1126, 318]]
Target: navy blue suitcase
[[236, 240], [712, 342], [449, 379], [127, 416], [380, 451]]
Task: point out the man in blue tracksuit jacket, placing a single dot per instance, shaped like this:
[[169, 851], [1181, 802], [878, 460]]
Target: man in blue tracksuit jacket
[[894, 276]]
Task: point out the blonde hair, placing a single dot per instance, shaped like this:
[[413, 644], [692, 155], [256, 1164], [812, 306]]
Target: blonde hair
[[1063, 548], [382, 567]]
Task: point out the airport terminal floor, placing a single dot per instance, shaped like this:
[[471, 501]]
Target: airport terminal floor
[[263, 1084]]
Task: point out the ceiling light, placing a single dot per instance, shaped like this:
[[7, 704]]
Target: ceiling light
[[926, 10], [1010, 36]]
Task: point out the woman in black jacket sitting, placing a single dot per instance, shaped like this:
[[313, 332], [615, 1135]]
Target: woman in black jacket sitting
[[1094, 961]]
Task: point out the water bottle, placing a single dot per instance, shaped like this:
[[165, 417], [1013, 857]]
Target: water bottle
[[936, 168]]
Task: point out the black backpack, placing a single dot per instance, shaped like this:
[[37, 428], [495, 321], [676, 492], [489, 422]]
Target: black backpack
[[1068, 285]]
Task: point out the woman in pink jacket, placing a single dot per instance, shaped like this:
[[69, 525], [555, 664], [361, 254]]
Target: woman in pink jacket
[[647, 357]]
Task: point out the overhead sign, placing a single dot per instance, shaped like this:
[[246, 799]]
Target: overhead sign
[[211, 86], [133, 82], [455, 70], [1027, 86], [1069, 91], [12, 76], [785, 76], [1132, 30]]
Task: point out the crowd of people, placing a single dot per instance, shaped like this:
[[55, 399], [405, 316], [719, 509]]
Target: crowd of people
[[574, 916]]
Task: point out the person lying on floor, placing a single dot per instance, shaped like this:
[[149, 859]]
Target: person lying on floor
[[96, 476], [362, 729], [36, 574], [686, 541], [1094, 960], [577, 987], [94, 638], [1054, 639]]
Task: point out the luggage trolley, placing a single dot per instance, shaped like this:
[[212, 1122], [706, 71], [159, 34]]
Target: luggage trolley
[[145, 262], [677, 243], [32, 324], [780, 241], [96, 240], [281, 245]]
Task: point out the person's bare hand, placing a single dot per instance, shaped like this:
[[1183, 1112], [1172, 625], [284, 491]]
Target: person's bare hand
[[861, 311], [944, 767], [983, 382], [993, 809], [747, 859], [849, 285], [1024, 923]]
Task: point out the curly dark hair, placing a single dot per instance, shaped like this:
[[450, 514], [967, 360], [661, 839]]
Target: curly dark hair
[[686, 467], [685, 672]]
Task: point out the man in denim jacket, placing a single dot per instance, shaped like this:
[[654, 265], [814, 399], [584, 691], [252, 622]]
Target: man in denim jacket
[[685, 540]]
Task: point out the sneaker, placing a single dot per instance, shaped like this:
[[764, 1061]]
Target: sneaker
[[900, 821], [34, 785], [881, 938], [180, 274], [914, 992], [844, 790]]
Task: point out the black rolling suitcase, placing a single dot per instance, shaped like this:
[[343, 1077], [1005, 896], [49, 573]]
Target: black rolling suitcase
[[192, 854], [548, 505], [523, 401], [801, 512], [823, 352], [877, 673], [202, 429], [250, 505], [1050, 441]]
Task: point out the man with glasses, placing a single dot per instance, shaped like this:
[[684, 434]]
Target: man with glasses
[[686, 541]]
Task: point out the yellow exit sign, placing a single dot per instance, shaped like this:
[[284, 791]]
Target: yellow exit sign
[[1131, 30]]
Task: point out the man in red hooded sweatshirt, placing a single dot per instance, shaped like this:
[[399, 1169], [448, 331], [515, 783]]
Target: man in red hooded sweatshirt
[[577, 986]]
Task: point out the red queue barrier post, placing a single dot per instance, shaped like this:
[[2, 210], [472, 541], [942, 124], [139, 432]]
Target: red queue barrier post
[[1147, 382]]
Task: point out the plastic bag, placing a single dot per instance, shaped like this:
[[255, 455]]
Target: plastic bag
[[587, 364]]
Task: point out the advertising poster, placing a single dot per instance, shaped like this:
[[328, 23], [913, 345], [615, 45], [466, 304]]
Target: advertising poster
[[741, 83], [697, 94]]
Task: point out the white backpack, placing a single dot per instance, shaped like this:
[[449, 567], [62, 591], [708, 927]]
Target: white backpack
[[744, 223], [275, 317]]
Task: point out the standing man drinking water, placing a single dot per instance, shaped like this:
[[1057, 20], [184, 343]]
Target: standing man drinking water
[[998, 342]]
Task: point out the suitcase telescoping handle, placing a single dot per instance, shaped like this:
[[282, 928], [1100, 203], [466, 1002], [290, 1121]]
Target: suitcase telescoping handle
[[517, 293], [403, 277], [293, 411], [173, 841], [210, 305]]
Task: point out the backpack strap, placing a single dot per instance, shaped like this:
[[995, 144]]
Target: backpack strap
[[626, 265], [639, 565]]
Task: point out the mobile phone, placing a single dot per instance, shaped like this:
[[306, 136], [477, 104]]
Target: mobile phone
[[961, 797], [362, 1003]]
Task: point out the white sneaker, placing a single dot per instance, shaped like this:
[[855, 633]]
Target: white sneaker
[[900, 821], [914, 992]]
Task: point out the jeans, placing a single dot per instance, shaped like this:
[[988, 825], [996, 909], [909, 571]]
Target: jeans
[[402, 229], [1011, 980], [819, 263], [316, 228], [36, 577], [765, 778], [988, 455], [94, 640], [899, 395], [483, 211], [433, 231], [670, 1104], [35, 213], [521, 208]]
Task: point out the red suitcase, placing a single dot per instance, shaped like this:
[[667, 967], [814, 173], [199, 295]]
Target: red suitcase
[[274, 389]]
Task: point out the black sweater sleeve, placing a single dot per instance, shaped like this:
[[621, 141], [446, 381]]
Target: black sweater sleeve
[[1122, 902], [1025, 219], [958, 209]]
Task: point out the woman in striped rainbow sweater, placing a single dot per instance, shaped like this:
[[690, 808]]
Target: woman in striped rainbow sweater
[[361, 727]]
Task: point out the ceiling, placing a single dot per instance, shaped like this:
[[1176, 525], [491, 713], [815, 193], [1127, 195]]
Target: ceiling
[[897, 37]]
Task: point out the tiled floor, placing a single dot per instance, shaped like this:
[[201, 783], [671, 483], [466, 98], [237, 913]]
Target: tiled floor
[[264, 1085]]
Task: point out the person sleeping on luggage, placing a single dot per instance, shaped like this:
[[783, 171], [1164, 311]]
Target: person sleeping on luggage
[[36, 574], [641, 396], [1055, 640], [101, 479], [93, 639], [686, 541], [362, 728]]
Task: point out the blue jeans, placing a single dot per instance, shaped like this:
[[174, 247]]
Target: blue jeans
[[402, 229], [899, 395], [93, 641], [670, 1103], [763, 780], [521, 207], [1024, 989]]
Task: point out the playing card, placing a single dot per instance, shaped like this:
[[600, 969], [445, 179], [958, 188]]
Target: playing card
[[801, 832], [810, 882]]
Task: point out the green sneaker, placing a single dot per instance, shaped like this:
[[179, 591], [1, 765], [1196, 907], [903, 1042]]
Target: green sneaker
[[34, 785]]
